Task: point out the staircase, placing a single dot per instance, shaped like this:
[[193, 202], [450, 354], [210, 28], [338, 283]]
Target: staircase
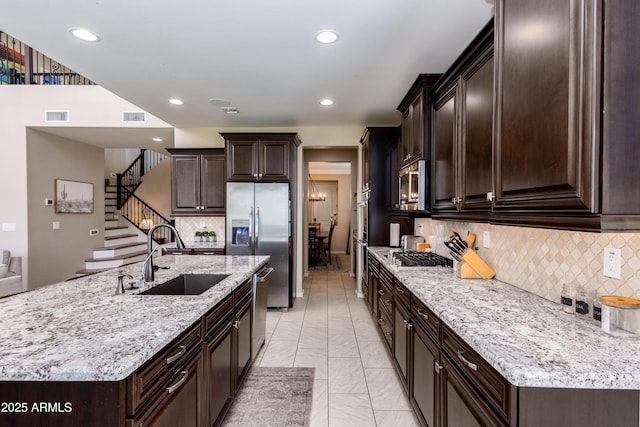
[[123, 244]]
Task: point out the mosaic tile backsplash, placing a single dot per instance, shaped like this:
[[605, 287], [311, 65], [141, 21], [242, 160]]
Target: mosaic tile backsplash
[[187, 227], [541, 261]]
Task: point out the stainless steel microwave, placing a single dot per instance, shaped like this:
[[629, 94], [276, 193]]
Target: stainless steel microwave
[[413, 187]]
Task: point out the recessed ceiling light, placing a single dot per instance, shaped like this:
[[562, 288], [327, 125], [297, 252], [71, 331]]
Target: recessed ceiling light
[[156, 139], [326, 102], [84, 34], [326, 36], [176, 101]]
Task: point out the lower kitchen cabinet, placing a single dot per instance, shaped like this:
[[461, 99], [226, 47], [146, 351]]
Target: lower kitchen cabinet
[[219, 361], [423, 380], [242, 342], [401, 340]]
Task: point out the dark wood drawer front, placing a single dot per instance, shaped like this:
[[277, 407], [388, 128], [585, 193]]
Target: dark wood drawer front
[[372, 263], [491, 385], [426, 318], [386, 327], [153, 376], [385, 298], [401, 293], [386, 276], [241, 293], [218, 317]]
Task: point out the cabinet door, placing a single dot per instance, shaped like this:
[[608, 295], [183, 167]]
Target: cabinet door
[[182, 406], [476, 136], [423, 384], [242, 160], [185, 183], [365, 161], [444, 151], [401, 324], [417, 128], [405, 138], [243, 342], [274, 161], [219, 375], [461, 405], [546, 110], [213, 184]]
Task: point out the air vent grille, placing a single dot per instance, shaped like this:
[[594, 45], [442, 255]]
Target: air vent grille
[[56, 116], [134, 116]]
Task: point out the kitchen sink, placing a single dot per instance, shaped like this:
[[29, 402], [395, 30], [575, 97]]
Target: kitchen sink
[[186, 284]]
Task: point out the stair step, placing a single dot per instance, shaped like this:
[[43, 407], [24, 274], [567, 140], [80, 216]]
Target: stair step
[[115, 231], [118, 250], [121, 239], [118, 261]]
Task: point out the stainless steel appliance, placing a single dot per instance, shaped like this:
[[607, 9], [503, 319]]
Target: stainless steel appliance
[[422, 259], [259, 223], [260, 293], [410, 242], [413, 187]]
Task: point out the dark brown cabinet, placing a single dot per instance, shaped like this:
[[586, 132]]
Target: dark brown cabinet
[[242, 331], [423, 382], [260, 157], [197, 182], [413, 144], [462, 131], [565, 147], [401, 339]]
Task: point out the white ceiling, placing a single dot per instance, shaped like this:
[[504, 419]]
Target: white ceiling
[[261, 55]]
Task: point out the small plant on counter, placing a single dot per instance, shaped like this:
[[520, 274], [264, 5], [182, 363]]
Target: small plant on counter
[[198, 236], [212, 236]]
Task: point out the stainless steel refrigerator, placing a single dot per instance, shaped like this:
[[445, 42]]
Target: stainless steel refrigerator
[[259, 223]]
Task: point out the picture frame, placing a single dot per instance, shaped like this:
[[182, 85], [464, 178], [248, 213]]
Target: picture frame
[[73, 196]]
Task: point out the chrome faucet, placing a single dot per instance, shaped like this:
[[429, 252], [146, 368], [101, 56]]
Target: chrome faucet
[[147, 265], [120, 288]]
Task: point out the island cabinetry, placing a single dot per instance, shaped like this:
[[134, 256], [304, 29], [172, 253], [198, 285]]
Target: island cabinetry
[[260, 157], [385, 308], [197, 181], [167, 389], [242, 335], [462, 131]]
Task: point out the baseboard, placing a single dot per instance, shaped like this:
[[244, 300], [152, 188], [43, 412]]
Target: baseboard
[[359, 294], [300, 294]]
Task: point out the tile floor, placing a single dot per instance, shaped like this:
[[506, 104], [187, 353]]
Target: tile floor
[[331, 330]]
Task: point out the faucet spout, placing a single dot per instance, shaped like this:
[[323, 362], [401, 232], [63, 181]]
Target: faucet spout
[[147, 265]]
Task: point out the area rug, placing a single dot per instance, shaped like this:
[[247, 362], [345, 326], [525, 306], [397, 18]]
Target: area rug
[[273, 397]]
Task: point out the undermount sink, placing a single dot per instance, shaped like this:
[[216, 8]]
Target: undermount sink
[[186, 284]]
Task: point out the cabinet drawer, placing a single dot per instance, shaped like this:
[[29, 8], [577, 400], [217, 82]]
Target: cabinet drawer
[[385, 298], [386, 327], [386, 276], [152, 378], [401, 293], [242, 292], [498, 392], [426, 318], [218, 316]]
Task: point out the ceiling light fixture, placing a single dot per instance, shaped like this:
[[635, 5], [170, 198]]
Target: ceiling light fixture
[[230, 110], [326, 102], [326, 36], [84, 34], [176, 101], [156, 139]]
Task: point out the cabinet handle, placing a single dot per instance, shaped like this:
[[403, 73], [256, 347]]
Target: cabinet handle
[[207, 253], [380, 322], [437, 367], [472, 366], [423, 313], [176, 356], [409, 326], [260, 176], [490, 196], [181, 381], [399, 289], [388, 302], [236, 324], [255, 175], [381, 292], [388, 333]]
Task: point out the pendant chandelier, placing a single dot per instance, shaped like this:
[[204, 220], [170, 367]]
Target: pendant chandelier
[[315, 195]]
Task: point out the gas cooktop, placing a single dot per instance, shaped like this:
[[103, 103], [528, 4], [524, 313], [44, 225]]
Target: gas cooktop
[[422, 259]]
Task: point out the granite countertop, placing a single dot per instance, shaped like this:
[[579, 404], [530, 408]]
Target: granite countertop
[[81, 331], [526, 338]]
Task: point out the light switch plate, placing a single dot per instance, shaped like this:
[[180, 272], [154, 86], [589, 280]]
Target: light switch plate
[[56, 225], [94, 232], [9, 226], [486, 239]]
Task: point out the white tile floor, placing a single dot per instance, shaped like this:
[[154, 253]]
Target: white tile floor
[[331, 330]]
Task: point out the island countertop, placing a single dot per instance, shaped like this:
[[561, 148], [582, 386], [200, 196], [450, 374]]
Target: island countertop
[[526, 338], [81, 331]]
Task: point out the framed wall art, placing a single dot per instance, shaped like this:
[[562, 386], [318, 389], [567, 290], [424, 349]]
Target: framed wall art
[[73, 196]]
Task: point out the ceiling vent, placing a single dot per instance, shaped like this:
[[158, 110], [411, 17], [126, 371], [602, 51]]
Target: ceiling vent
[[56, 116], [134, 117]]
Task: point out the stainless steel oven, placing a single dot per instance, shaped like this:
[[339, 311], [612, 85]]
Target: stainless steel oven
[[413, 186]]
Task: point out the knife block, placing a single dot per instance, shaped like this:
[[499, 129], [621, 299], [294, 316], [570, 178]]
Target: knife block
[[472, 266]]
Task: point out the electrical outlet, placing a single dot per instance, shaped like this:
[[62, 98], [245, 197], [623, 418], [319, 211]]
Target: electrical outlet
[[486, 239], [56, 225], [612, 263]]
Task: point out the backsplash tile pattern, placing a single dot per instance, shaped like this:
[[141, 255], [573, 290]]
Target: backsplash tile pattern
[[541, 260], [187, 227]]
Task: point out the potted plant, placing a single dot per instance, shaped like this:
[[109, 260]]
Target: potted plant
[[198, 236], [212, 236]]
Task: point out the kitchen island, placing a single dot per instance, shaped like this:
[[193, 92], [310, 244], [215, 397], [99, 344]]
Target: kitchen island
[[87, 343], [517, 354]]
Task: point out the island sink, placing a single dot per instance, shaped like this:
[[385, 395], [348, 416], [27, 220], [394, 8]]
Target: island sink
[[186, 284]]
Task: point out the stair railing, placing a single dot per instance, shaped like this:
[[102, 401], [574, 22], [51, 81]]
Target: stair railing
[[143, 217], [131, 178]]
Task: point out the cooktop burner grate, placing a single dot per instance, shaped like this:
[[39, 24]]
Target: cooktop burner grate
[[422, 259]]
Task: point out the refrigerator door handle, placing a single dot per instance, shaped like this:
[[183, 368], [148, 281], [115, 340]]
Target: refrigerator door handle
[[251, 229], [257, 230]]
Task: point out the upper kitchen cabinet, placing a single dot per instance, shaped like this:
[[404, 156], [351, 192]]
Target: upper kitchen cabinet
[[566, 142], [259, 157], [413, 144], [462, 133], [197, 181]]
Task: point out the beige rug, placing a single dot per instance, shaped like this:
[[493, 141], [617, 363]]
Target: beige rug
[[273, 397]]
